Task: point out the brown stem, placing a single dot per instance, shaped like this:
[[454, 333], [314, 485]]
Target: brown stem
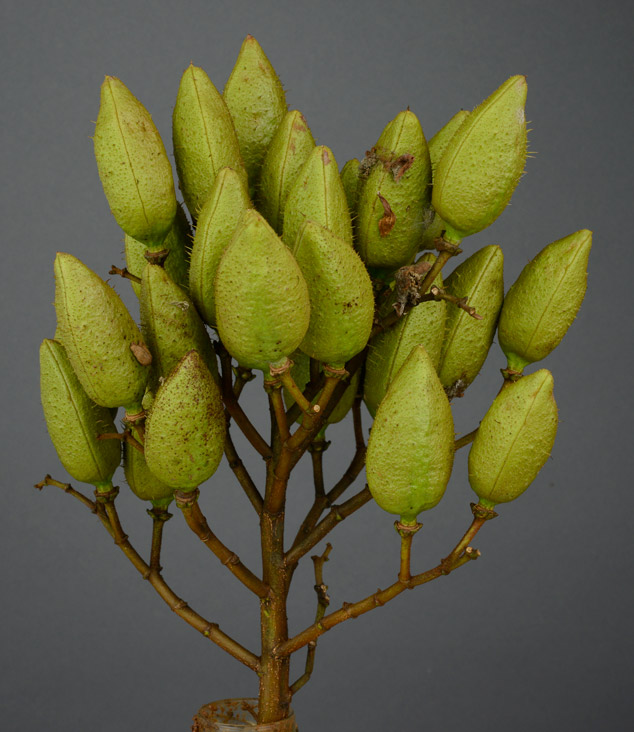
[[159, 517], [188, 503], [459, 556], [438, 293], [242, 474], [124, 273], [277, 405], [323, 600], [465, 439]]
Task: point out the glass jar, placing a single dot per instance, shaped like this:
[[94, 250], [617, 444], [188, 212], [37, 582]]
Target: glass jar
[[237, 715]]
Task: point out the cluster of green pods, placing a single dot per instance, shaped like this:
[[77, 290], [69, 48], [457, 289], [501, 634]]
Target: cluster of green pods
[[282, 257]]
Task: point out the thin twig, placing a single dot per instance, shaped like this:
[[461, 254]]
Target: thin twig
[[124, 273], [242, 474], [159, 517], [465, 439]]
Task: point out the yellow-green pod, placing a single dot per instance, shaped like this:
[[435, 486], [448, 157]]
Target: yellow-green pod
[[177, 242], [143, 483], [394, 195], [411, 446], [99, 335], [185, 430], [74, 420], [340, 292], [467, 340], [350, 180], [423, 325], [514, 439], [262, 317], [483, 162], [317, 194], [204, 138], [300, 371], [218, 220], [290, 147], [542, 303], [255, 98], [439, 142], [133, 166], [171, 323]]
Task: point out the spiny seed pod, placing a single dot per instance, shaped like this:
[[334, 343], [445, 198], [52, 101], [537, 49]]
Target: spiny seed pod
[[514, 439], [143, 483], [263, 317], [439, 142], [290, 147], [541, 305], [74, 421], [204, 138], [483, 162], [467, 340], [185, 430], [341, 295], [410, 451], [99, 336], [133, 166], [394, 195], [171, 323], [255, 98], [218, 220], [423, 325], [317, 194], [177, 243], [300, 371], [350, 180]]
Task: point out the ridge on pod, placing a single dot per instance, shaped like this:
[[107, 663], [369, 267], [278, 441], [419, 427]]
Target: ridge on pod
[[514, 439], [255, 98], [204, 138], [393, 194], [74, 421], [290, 147], [483, 162], [133, 165], [317, 194], [411, 446], [99, 336], [544, 300], [185, 429], [264, 317], [219, 218]]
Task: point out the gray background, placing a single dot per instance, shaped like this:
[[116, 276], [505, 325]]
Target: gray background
[[534, 636]]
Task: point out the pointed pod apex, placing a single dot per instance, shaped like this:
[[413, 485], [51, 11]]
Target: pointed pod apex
[[483, 162], [410, 451], [514, 439], [185, 430], [135, 171], [262, 302], [543, 302]]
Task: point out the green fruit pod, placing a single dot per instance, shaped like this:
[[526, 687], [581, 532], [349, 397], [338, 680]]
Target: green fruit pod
[[480, 278], [171, 323], [255, 98], [317, 194], [74, 420], [261, 318], [439, 142], [133, 166], [394, 195], [99, 336], [514, 439], [185, 430], [350, 180], [423, 325], [177, 243], [541, 305], [142, 482], [290, 147], [204, 138], [218, 220], [411, 446], [483, 162], [340, 292], [300, 371]]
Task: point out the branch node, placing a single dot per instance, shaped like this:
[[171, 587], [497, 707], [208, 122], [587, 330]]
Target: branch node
[[482, 512]]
